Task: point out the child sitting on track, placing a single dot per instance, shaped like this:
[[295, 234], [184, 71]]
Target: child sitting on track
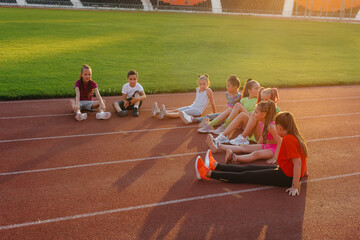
[[268, 145], [292, 161], [246, 105], [133, 94], [84, 96], [232, 97], [203, 95]]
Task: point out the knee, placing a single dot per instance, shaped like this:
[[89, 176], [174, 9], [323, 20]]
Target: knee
[[136, 94]]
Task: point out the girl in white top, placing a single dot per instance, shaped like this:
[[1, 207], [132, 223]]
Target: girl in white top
[[203, 96]]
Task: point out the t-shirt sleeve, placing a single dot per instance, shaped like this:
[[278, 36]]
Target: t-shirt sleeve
[[93, 84], [77, 84], [291, 147], [124, 89], [140, 88]]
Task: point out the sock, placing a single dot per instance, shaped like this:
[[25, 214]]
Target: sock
[[227, 122], [77, 112], [214, 122], [197, 119], [136, 106]]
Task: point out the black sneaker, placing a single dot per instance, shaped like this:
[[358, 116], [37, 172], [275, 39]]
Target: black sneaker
[[135, 112], [123, 113]]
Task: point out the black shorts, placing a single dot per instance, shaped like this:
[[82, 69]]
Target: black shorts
[[131, 106]]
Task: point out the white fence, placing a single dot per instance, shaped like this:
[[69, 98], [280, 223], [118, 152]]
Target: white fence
[[338, 10]]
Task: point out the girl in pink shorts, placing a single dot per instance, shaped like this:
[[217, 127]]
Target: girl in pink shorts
[[268, 144]]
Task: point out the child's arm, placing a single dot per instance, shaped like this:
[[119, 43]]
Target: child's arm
[[126, 102], [210, 95], [295, 188], [77, 98], [102, 105], [139, 98], [278, 139]]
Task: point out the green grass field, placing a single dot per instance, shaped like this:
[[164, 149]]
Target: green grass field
[[42, 51]]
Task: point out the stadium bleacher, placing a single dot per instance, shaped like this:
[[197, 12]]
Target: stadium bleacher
[[7, 1], [253, 6], [50, 2], [189, 5], [135, 4]]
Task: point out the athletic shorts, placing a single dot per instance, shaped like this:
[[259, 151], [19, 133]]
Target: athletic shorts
[[131, 106], [190, 111], [272, 147], [86, 105]]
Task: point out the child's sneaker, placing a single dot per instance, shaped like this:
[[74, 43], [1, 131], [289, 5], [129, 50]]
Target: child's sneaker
[[185, 118], [209, 160], [78, 117], [155, 109], [162, 113], [204, 121], [210, 141], [83, 116], [123, 113], [103, 115], [220, 129], [239, 140], [222, 139], [135, 112], [206, 129], [200, 169]]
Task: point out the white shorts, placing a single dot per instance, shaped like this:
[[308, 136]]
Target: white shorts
[[86, 105], [189, 110]]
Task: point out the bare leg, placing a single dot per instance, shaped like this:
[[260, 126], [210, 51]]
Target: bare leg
[[260, 154], [238, 108], [241, 149], [96, 104], [172, 113], [116, 106], [137, 103], [250, 127], [240, 120]]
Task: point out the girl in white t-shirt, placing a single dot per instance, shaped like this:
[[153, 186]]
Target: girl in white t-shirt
[[133, 95], [203, 95]]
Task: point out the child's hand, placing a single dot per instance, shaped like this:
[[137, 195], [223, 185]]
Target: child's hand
[[126, 103], [134, 100], [271, 161], [293, 191]]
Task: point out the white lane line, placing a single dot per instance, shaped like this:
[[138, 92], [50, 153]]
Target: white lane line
[[100, 163], [151, 205], [148, 130], [94, 134], [141, 159], [37, 116], [319, 99]]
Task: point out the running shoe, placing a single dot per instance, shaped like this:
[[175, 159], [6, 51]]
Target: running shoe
[[222, 139], [209, 160], [239, 140], [200, 169], [155, 109], [162, 113], [103, 115], [206, 129], [204, 121], [220, 129], [185, 117]]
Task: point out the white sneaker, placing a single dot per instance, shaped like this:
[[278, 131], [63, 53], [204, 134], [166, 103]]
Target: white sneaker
[[83, 116], [155, 109], [222, 139], [239, 140], [103, 115], [205, 120], [206, 129], [220, 129], [162, 112], [185, 117]]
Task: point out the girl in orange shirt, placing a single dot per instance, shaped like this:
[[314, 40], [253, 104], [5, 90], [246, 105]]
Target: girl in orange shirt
[[292, 159]]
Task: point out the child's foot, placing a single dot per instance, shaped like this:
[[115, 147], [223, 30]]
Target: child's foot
[[81, 116], [103, 115], [220, 129], [155, 109], [209, 160], [222, 139], [239, 140], [185, 117], [205, 121], [162, 113], [123, 113], [200, 169], [210, 141], [229, 157], [206, 128], [135, 112]]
